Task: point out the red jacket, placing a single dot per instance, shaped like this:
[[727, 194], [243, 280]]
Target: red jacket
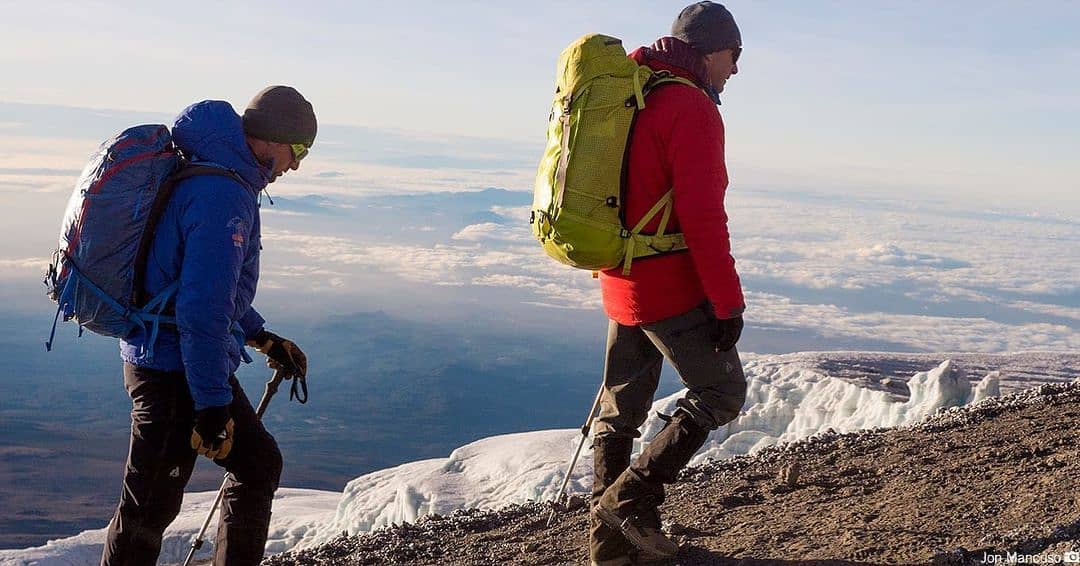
[[677, 142]]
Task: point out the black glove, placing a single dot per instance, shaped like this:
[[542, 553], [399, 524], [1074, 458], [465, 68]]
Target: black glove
[[727, 333], [280, 353], [213, 433]]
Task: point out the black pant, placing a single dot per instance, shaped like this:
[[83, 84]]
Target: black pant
[[715, 383], [159, 465]]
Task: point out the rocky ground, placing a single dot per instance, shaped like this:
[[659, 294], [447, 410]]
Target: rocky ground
[[968, 486]]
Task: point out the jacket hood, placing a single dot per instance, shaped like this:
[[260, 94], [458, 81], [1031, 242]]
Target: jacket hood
[[679, 58], [212, 132]]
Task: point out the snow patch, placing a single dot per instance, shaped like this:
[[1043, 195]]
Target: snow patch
[[488, 473], [298, 514]]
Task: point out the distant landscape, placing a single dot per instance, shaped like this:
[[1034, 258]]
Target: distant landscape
[[383, 392]]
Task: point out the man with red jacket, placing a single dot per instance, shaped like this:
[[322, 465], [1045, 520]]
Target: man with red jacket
[[686, 307]]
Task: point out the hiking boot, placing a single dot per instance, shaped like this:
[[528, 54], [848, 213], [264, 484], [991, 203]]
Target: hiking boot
[[611, 456], [633, 559], [630, 504], [622, 560]]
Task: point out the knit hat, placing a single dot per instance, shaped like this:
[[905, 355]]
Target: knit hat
[[280, 114], [708, 27]]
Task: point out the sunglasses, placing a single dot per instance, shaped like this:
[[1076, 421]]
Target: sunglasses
[[735, 52], [299, 151]]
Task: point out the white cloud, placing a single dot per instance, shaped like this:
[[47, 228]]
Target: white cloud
[[276, 212], [492, 231], [945, 253], [364, 179], [927, 333], [517, 213], [891, 254], [503, 280], [310, 278], [523, 268], [46, 152], [436, 264], [1052, 310], [24, 264]]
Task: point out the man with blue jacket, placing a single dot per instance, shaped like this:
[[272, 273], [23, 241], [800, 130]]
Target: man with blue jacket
[[185, 399]]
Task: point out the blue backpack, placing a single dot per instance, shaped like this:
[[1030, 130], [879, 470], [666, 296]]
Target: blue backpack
[[96, 276]]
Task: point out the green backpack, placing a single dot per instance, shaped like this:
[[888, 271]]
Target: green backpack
[[578, 199]]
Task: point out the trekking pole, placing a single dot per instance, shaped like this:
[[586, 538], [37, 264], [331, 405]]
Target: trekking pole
[[268, 392], [584, 435]]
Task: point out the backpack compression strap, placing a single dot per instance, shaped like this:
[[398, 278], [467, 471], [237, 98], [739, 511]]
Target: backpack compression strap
[[639, 245]]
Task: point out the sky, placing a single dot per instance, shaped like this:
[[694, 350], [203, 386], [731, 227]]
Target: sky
[[962, 99]]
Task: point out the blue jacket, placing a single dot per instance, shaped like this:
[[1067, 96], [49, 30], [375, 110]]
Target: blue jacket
[[208, 239]]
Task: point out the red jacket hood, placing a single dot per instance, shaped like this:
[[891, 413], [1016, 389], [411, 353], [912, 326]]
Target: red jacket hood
[[677, 57]]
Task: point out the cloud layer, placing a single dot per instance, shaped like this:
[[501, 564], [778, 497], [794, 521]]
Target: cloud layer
[[928, 282], [398, 226]]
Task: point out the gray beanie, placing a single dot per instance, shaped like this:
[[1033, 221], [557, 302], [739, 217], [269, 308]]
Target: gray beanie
[[281, 114], [708, 27]]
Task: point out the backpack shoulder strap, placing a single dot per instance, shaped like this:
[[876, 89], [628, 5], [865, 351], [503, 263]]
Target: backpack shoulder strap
[[187, 170], [661, 78], [157, 209], [654, 80]]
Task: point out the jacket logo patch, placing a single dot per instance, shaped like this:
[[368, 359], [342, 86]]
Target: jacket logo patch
[[238, 227]]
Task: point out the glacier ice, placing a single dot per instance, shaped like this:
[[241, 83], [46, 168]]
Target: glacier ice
[[785, 402], [298, 513]]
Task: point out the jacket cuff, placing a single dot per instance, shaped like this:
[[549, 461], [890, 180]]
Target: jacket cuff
[[251, 323]]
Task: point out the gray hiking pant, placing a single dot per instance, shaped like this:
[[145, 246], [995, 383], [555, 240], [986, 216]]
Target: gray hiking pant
[[635, 355], [159, 465]]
